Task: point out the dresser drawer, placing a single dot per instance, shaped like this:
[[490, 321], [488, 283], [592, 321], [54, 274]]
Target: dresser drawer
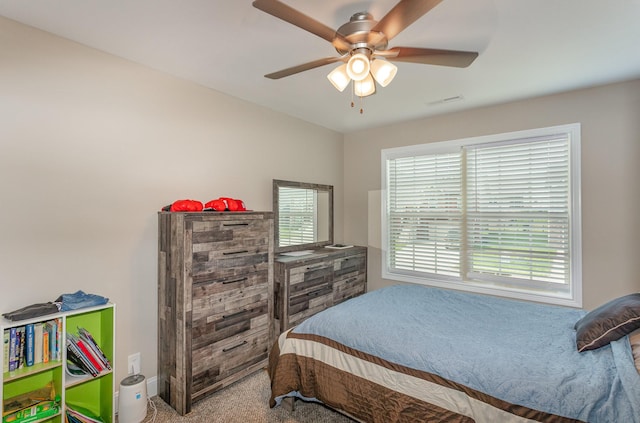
[[227, 248], [215, 297], [226, 229], [349, 275], [245, 311], [310, 290], [349, 287], [304, 306], [309, 278], [346, 267], [212, 364]]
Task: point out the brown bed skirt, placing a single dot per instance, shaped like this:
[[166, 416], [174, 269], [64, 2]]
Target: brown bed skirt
[[371, 389]]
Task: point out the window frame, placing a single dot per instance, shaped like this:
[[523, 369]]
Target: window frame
[[573, 297]]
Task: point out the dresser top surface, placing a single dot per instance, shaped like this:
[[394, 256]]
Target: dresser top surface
[[268, 214], [319, 253]]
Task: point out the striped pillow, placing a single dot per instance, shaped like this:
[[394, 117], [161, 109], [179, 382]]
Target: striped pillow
[[608, 322]]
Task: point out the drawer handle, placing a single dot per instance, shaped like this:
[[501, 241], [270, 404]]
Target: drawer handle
[[234, 347], [235, 224], [229, 316], [313, 294], [317, 266], [230, 253], [234, 281]]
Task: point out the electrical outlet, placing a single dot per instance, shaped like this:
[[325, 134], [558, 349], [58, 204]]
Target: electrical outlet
[[133, 364]]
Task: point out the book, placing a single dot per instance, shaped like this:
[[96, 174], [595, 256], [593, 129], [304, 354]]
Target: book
[[88, 352], [45, 344], [79, 358], [59, 339], [38, 336], [53, 340], [75, 366], [86, 335], [76, 413], [29, 344], [6, 337], [54, 328], [72, 369], [5, 354], [71, 418], [13, 348], [20, 338], [48, 347]]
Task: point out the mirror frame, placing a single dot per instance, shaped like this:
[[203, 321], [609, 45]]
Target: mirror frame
[[277, 183]]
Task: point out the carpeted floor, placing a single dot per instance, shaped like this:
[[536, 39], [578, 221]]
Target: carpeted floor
[[246, 401]]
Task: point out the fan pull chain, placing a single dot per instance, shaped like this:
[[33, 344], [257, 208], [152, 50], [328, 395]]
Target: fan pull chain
[[353, 104], [353, 89]]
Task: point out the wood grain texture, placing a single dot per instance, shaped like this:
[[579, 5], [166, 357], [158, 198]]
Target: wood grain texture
[[306, 285], [349, 277], [215, 301]]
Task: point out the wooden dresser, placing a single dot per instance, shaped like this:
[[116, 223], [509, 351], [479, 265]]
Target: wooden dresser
[[305, 285], [215, 301]]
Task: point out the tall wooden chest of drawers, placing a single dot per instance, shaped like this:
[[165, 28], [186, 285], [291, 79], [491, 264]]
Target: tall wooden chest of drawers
[[215, 301], [306, 285]]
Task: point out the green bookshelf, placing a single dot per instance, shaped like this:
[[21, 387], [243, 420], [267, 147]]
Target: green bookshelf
[[91, 393]]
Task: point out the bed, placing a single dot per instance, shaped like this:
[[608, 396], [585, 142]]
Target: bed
[[413, 353]]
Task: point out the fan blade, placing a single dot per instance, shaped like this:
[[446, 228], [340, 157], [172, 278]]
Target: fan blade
[[294, 17], [304, 67], [429, 56], [402, 15]]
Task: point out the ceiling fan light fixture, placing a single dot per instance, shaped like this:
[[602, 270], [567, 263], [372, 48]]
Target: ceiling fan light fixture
[[339, 78], [383, 71], [358, 67], [363, 44], [365, 87]]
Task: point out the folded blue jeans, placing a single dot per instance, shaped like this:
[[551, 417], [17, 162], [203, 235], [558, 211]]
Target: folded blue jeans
[[80, 299]]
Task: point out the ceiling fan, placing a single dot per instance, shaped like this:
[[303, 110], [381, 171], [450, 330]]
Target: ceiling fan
[[362, 45]]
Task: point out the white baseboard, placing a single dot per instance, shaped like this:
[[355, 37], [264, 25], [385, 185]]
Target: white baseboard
[[152, 391]]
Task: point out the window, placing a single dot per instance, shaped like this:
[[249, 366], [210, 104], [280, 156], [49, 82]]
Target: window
[[297, 216], [498, 214]]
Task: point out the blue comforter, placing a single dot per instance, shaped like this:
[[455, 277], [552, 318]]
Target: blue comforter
[[520, 352]]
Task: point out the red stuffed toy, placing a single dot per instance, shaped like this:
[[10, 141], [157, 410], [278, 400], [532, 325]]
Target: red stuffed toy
[[226, 204], [184, 206], [217, 205], [233, 204]]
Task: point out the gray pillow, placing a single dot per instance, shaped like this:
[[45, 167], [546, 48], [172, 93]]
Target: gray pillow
[[609, 322]]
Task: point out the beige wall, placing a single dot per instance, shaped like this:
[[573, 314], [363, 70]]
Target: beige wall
[[93, 146], [610, 118]]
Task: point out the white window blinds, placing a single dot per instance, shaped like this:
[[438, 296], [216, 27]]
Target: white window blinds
[[493, 213], [517, 212], [297, 222], [425, 214]]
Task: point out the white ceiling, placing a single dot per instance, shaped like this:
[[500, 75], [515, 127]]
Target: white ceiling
[[527, 48]]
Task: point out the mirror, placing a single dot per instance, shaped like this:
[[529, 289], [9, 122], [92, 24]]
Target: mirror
[[303, 215]]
